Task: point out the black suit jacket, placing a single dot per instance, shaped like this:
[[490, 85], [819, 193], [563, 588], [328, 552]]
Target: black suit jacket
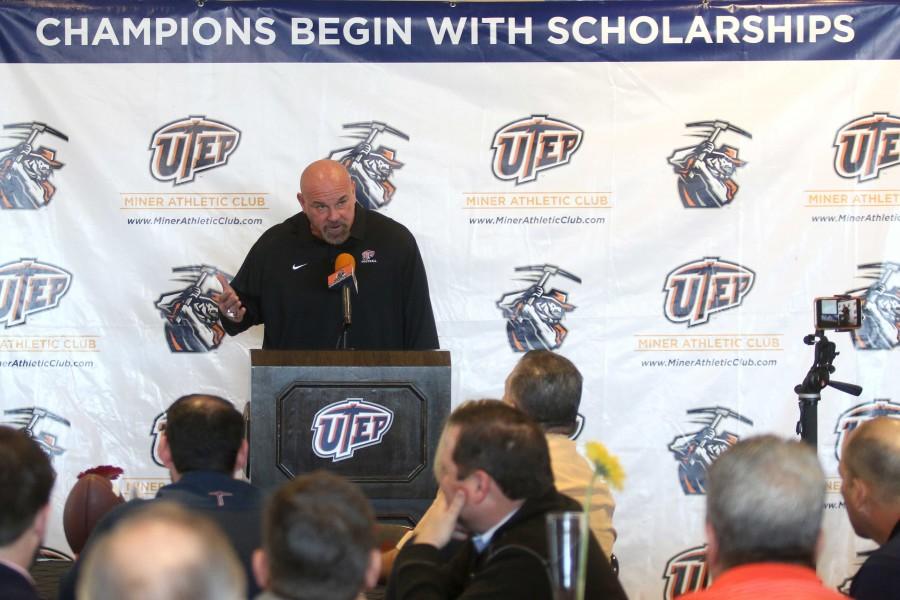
[[13, 586], [513, 566]]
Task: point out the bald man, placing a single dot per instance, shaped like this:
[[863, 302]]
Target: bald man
[[870, 484], [283, 281], [163, 552]]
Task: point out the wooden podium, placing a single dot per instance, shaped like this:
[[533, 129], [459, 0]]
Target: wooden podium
[[374, 417]]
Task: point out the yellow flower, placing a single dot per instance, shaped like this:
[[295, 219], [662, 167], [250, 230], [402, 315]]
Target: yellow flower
[[605, 464]]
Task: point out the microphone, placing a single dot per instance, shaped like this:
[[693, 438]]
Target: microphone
[[344, 272], [344, 269]]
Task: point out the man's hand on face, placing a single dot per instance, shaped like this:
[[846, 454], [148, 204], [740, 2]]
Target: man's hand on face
[[228, 302], [438, 524]]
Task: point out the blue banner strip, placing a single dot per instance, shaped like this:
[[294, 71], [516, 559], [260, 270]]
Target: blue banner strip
[[41, 31]]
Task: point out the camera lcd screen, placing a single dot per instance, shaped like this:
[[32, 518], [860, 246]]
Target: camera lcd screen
[[838, 313]]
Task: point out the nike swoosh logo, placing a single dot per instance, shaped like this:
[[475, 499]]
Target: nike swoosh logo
[[295, 267]]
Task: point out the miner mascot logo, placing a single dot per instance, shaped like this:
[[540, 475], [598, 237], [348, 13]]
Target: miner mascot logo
[[695, 451], [706, 171], [41, 425], [25, 170], [191, 314], [867, 145], [534, 315], [370, 166], [880, 307]]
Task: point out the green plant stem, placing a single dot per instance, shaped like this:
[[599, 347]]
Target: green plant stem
[[583, 542]]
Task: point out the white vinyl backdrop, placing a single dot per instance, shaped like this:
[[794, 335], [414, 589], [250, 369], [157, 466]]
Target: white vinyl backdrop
[[633, 116]]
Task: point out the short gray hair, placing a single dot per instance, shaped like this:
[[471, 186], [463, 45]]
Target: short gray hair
[[765, 499], [163, 552]]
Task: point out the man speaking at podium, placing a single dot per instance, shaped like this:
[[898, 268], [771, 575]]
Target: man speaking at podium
[[286, 281]]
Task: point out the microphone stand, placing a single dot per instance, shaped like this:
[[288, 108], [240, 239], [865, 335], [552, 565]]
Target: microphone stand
[[810, 391], [347, 323]]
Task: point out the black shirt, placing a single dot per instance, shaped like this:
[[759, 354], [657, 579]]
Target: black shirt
[[283, 285], [879, 577]]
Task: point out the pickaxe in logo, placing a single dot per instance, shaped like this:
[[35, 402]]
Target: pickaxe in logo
[[368, 131], [28, 418], [33, 129], [195, 290], [716, 415], [540, 275], [715, 128]]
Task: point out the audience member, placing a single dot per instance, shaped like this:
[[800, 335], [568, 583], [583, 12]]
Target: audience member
[[493, 470], [547, 387], [870, 473], [26, 479], [162, 552], [318, 541], [764, 504], [202, 446]]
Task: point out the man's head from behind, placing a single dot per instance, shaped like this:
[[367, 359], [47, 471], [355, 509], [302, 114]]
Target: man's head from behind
[[163, 552], [26, 479], [547, 387], [870, 477], [318, 540], [203, 433], [494, 453], [764, 503]]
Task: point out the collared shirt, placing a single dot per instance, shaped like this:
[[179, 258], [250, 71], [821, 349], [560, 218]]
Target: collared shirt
[[481, 540], [283, 285]]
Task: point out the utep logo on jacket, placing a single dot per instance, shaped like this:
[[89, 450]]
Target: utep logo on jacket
[[183, 148], [686, 572], [524, 148], [342, 428], [865, 146], [27, 287], [853, 417], [697, 289]]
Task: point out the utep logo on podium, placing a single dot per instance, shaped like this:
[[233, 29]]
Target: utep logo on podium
[[183, 148], [697, 289], [342, 428]]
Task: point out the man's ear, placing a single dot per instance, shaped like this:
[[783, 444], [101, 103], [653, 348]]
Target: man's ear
[[260, 564], [373, 571], [301, 201], [165, 453], [40, 521], [478, 486], [712, 550], [240, 461]]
